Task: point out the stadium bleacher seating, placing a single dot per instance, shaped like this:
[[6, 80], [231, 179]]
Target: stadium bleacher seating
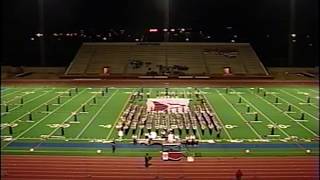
[[168, 59]]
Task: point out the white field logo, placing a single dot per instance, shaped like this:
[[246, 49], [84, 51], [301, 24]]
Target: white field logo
[[168, 104]]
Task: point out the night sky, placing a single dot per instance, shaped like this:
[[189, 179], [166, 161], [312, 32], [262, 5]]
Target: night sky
[[253, 19]]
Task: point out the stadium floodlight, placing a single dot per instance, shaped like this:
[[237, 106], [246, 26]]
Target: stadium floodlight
[[308, 151], [39, 34], [31, 149], [247, 151], [153, 30], [235, 36], [104, 38], [165, 30], [293, 35], [233, 41], [182, 29], [137, 40], [187, 39], [172, 30], [32, 39]]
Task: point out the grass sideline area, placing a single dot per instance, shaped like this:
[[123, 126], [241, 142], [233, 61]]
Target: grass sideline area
[[155, 152], [37, 114]]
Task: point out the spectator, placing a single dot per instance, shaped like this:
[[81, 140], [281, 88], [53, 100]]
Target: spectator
[[238, 174], [147, 158], [113, 145]]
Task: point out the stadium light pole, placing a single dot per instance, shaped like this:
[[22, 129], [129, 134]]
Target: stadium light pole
[[41, 30], [166, 19]]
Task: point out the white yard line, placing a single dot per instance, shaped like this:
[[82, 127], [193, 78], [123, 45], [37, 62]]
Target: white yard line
[[54, 130], [39, 121], [199, 135], [34, 90], [150, 91], [306, 92], [316, 118], [198, 132], [298, 98], [97, 113], [16, 91], [115, 122], [30, 100], [3, 89], [262, 114], [315, 91], [289, 116], [33, 108], [139, 132], [228, 134], [184, 93], [243, 119]]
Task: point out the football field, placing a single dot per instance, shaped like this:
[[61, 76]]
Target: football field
[[90, 115]]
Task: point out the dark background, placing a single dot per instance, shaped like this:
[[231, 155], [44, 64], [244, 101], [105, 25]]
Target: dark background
[[266, 24]]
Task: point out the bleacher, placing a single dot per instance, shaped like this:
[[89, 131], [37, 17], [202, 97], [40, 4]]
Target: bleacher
[[166, 59]]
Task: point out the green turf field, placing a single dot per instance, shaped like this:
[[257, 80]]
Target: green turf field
[[36, 114]]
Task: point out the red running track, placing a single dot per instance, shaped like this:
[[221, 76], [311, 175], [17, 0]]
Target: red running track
[[66, 167]]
